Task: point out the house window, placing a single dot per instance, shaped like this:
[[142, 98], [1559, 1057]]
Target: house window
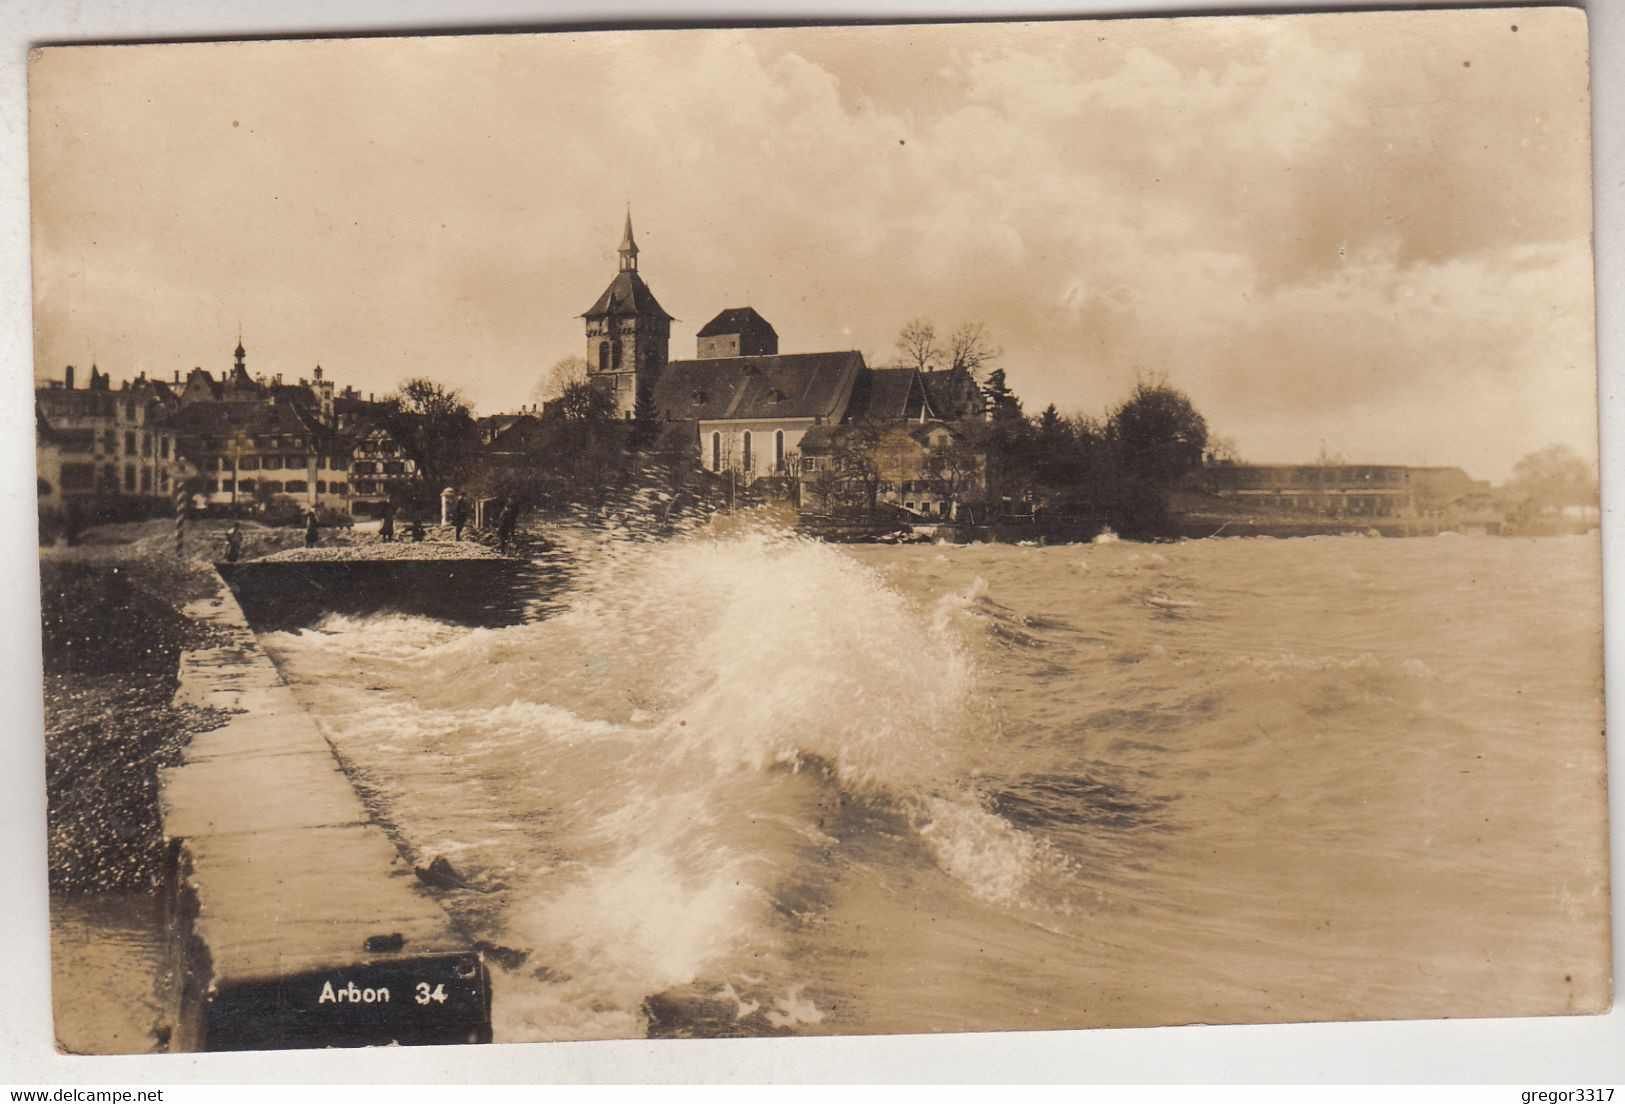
[[744, 452], [129, 477], [273, 486], [337, 488], [321, 486], [129, 442], [272, 463], [78, 477], [245, 485], [778, 450], [716, 452], [79, 440], [163, 447], [146, 480], [249, 463]]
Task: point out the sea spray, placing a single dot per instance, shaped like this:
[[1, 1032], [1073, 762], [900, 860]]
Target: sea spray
[[690, 727], [737, 783]]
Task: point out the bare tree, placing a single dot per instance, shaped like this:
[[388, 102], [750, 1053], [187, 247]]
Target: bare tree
[[917, 346], [1223, 450], [958, 469], [970, 349], [558, 379]]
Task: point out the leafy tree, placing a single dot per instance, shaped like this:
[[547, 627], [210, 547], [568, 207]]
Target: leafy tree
[[1157, 435], [434, 425], [645, 417], [1001, 401], [585, 402]]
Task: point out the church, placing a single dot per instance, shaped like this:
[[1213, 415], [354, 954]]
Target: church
[[739, 404]]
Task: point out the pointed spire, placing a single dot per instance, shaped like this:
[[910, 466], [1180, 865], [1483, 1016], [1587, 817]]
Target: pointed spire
[[629, 246]]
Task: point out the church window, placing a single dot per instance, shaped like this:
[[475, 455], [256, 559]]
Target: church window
[[716, 452], [615, 354], [744, 454], [778, 450], [603, 356]]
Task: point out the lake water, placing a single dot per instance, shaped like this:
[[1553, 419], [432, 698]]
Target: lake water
[[744, 783]]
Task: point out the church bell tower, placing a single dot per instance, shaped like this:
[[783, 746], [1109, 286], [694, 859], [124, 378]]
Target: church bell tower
[[628, 333]]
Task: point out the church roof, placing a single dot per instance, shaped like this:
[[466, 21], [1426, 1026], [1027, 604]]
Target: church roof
[[626, 294], [736, 320], [758, 388]]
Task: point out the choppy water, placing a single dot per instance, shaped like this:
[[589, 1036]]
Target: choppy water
[[785, 786]]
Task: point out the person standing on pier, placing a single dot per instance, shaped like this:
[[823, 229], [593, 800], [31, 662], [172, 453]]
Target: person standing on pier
[[234, 543], [459, 516], [310, 528], [386, 532], [416, 531], [505, 525]]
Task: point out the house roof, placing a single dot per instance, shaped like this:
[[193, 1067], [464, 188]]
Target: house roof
[[736, 320], [516, 431], [626, 294], [759, 388], [886, 394], [222, 419], [952, 394]]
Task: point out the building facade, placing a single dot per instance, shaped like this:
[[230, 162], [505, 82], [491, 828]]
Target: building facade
[[379, 471], [105, 445]]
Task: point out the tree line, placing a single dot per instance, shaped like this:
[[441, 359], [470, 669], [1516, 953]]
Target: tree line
[[1001, 461]]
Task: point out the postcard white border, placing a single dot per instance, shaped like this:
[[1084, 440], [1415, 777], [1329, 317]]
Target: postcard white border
[[1552, 1052]]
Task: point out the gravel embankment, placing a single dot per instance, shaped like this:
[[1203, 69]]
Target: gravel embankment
[[112, 636], [379, 550]]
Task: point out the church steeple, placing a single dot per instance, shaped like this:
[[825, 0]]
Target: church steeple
[[628, 334], [629, 246]]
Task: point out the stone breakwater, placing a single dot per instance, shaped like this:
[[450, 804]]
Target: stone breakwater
[[296, 922], [467, 584]]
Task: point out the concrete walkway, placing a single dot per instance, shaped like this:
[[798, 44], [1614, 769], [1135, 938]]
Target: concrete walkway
[[301, 923]]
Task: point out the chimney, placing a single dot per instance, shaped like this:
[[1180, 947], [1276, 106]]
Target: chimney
[[67, 378], [177, 375], [318, 372]]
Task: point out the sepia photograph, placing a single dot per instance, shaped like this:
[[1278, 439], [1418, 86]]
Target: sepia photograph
[[808, 530]]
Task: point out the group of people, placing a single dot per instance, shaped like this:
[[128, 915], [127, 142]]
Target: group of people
[[460, 515], [386, 529]]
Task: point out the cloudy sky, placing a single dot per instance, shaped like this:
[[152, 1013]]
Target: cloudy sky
[[1368, 232]]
